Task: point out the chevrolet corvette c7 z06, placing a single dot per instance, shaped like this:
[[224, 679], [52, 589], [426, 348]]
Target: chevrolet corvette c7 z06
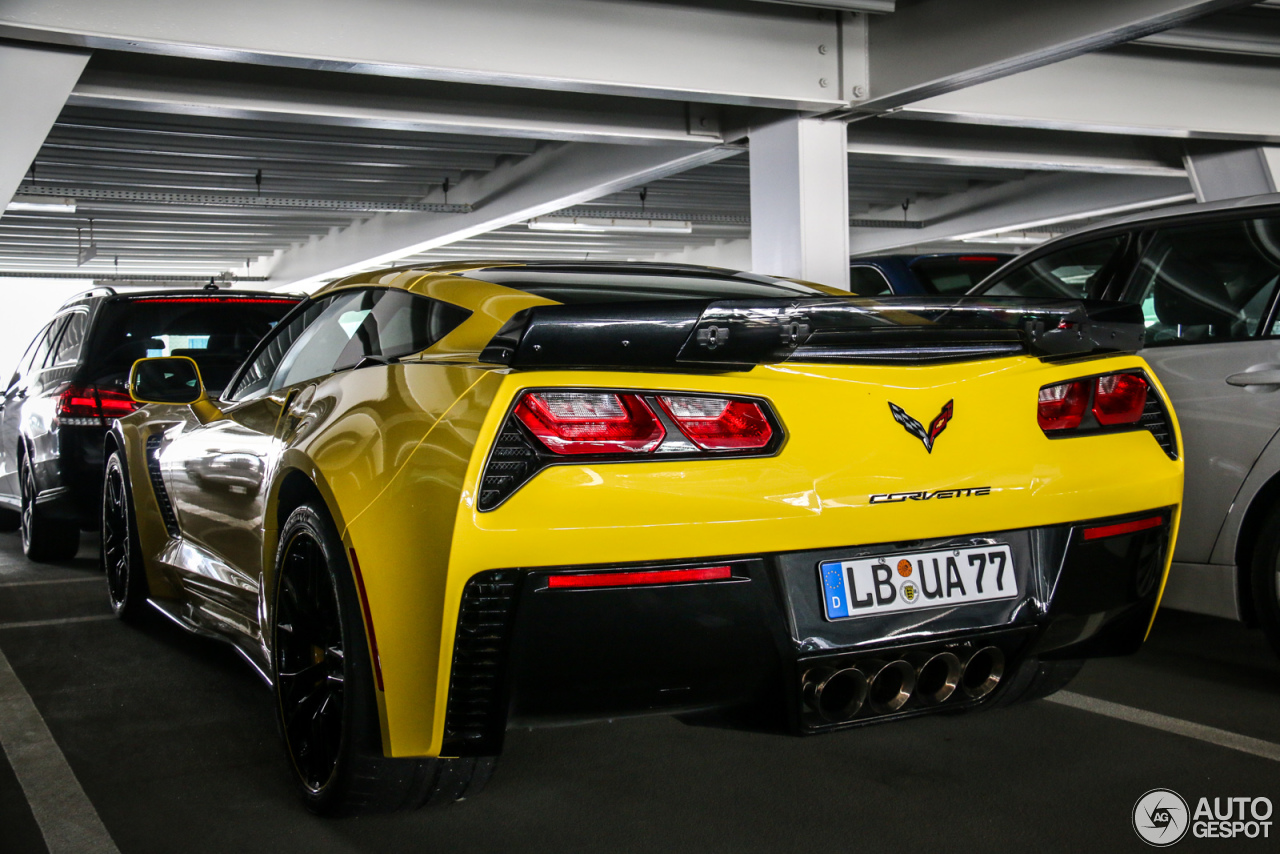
[[438, 502]]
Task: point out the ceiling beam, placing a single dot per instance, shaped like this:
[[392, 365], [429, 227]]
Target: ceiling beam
[[559, 175], [1151, 92], [193, 88], [752, 54], [36, 82], [1011, 148], [1034, 202], [930, 47]]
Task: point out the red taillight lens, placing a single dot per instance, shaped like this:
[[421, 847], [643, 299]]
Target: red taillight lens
[[115, 404], [629, 579], [576, 422], [78, 402], [718, 424], [1119, 399], [1062, 406], [85, 405]]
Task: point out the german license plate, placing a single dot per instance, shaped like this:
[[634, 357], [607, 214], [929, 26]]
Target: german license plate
[[912, 582]]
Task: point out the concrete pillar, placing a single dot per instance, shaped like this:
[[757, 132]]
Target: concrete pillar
[[36, 82], [800, 200], [1231, 174]]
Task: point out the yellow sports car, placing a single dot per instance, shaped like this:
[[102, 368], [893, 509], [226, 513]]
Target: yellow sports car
[[437, 502]]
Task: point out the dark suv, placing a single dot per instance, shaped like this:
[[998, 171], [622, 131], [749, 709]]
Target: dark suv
[[71, 382]]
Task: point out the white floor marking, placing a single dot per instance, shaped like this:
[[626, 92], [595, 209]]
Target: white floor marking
[[67, 819], [61, 621], [49, 581], [1200, 732]]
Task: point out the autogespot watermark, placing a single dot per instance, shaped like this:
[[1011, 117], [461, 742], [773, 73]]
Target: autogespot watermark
[[1162, 817]]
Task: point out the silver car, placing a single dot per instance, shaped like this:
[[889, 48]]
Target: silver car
[[1206, 278]]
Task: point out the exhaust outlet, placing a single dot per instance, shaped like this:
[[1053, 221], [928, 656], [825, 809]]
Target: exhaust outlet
[[982, 672], [836, 694], [891, 684], [937, 677]]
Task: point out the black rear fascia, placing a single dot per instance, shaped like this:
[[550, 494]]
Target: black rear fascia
[[515, 442], [731, 652]]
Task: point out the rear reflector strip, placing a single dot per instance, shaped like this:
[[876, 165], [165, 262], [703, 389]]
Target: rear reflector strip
[[1122, 528], [628, 579]]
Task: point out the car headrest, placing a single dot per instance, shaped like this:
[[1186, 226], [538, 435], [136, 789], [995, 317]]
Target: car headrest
[[1189, 295]]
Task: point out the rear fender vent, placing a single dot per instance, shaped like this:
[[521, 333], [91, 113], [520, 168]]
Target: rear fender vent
[[1156, 419], [476, 716]]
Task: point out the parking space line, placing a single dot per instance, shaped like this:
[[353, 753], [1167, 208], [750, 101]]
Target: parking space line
[[30, 624], [98, 579], [67, 820], [1200, 732]]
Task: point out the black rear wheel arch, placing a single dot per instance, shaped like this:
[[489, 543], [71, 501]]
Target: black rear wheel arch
[[325, 692]]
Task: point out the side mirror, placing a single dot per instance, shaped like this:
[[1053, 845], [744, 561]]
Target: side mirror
[[166, 379]]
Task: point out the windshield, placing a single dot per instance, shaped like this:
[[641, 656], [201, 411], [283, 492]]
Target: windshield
[[218, 332]]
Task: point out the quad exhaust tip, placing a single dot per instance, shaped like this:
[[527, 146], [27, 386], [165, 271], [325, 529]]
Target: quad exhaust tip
[[937, 677], [890, 685], [836, 694], [982, 672]]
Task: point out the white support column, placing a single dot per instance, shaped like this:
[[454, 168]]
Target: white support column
[[1231, 174], [800, 200], [36, 82]]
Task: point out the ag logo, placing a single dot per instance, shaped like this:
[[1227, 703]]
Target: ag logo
[[1160, 817], [915, 428]]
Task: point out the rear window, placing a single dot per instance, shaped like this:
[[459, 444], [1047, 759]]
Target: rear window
[[576, 286], [218, 332], [955, 274]]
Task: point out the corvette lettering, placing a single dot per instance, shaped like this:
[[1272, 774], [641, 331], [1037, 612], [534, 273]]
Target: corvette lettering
[[926, 495]]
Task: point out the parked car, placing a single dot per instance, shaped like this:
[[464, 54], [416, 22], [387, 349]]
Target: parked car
[[70, 385], [912, 275], [435, 503], [1206, 278]]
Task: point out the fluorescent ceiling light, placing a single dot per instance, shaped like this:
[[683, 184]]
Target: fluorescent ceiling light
[[42, 203], [600, 225]]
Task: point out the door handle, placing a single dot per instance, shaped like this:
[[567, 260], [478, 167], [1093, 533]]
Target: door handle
[[1248, 378]]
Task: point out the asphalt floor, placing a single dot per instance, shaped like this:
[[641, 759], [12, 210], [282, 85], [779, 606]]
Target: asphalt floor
[[172, 740]]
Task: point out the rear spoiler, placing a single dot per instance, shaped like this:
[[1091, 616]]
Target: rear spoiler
[[726, 335]]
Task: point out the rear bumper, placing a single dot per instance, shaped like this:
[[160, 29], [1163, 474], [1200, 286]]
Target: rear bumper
[[735, 651]]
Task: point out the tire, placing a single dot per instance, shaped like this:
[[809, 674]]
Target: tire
[[1264, 578], [121, 553], [326, 706], [1034, 679], [43, 539]]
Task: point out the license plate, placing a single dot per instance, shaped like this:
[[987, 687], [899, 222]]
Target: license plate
[[911, 582]]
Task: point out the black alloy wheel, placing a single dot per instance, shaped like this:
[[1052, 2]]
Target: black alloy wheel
[[326, 698], [310, 662], [43, 539], [121, 554]]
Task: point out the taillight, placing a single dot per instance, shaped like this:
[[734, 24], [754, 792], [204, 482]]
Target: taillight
[[86, 406], [1119, 399], [1088, 404], [717, 423], [1062, 406], [577, 422]]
